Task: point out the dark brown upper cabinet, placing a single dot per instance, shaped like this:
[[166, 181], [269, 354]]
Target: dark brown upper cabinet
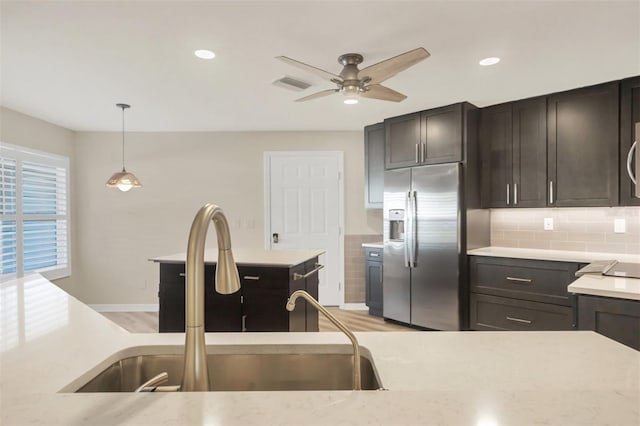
[[429, 137], [513, 140], [629, 115], [374, 166], [583, 147]]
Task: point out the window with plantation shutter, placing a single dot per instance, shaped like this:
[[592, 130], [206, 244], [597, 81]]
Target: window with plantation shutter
[[34, 213]]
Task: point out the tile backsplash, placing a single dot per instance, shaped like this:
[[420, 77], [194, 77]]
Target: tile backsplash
[[354, 286], [575, 229]]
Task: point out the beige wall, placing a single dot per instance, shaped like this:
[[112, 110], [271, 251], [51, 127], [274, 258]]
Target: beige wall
[[118, 232], [23, 130]]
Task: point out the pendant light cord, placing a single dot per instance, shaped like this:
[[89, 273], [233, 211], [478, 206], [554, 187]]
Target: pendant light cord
[[123, 108]]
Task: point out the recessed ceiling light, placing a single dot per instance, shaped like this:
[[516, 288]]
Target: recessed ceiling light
[[489, 61], [204, 54], [350, 101]]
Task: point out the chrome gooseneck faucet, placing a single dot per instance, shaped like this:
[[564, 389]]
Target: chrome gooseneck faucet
[[195, 376], [291, 304]]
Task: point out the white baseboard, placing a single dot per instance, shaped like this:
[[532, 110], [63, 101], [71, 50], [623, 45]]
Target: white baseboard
[[152, 307], [355, 307]]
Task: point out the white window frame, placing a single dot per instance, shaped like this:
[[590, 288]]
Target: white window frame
[[22, 154]]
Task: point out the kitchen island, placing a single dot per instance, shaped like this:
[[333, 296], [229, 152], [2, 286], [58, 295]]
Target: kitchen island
[[267, 279], [51, 341]]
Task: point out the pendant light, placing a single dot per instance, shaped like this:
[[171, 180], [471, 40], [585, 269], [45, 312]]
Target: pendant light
[[123, 180]]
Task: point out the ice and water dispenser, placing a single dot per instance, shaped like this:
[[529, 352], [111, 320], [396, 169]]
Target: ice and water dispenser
[[396, 224]]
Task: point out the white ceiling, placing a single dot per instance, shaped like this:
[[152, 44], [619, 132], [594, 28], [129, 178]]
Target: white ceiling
[[70, 62]]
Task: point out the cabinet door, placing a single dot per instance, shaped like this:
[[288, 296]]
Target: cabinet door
[[583, 147], [442, 135], [530, 153], [171, 314], [496, 135], [617, 319], [373, 281], [629, 115], [374, 166], [402, 141]]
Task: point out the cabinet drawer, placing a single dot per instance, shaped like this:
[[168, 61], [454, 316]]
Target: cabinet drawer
[[172, 273], [500, 313], [535, 280], [264, 277], [373, 254]]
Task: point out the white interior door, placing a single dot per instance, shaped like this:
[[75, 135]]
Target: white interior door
[[304, 206]]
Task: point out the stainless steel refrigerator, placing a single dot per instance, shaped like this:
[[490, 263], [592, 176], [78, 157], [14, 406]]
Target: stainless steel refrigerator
[[428, 227]]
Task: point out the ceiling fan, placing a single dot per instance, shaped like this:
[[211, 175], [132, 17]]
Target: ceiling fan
[[365, 83]]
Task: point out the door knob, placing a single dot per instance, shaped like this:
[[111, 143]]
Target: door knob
[[275, 238]]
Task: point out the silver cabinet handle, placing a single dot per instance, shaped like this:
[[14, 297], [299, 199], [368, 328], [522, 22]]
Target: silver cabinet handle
[[374, 254], [244, 323], [417, 153], [182, 274], [629, 159], [251, 278], [508, 201], [519, 320], [297, 276], [550, 192], [424, 152], [520, 280], [515, 194]]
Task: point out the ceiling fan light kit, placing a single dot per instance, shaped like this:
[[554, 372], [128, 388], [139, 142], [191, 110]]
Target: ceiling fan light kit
[[123, 180], [353, 82]]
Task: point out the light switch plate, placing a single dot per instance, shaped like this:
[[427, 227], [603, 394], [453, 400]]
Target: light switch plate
[[548, 224], [619, 226]]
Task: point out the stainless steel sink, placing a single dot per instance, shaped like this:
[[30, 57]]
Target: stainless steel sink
[[247, 368]]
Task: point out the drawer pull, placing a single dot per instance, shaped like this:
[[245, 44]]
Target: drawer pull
[[251, 277], [520, 280], [519, 320], [374, 254], [182, 274]]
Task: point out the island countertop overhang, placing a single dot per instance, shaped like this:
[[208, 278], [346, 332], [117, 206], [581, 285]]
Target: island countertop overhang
[[250, 257]]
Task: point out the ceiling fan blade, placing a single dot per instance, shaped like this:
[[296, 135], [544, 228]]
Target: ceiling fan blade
[[388, 68], [318, 95], [317, 71], [378, 91]]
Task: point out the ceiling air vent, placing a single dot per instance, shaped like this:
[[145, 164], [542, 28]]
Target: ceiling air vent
[[291, 84]]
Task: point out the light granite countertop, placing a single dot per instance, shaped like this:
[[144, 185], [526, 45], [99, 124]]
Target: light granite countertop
[[591, 284], [554, 255], [253, 257], [377, 244], [50, 341]]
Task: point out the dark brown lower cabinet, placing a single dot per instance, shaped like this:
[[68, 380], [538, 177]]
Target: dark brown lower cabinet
[[521, 294], [258, 306], [618, 319], [373, 280], [501, 313]]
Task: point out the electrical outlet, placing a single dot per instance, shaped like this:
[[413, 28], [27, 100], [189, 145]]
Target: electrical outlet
[[619, 226], [548, 224]]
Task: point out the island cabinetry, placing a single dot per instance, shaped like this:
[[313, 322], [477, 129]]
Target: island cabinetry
[[513, 137], [258, 306], [373, 280], [222, 311], [629, 116], [583, 128], [374, 166], [521, 294], [428, 137], [618, 319]]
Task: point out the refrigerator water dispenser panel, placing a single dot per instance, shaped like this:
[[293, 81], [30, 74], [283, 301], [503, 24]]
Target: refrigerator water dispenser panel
[[396, 225]]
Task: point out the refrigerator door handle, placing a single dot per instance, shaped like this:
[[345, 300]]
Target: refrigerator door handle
[[414, 215], [407, 204]]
